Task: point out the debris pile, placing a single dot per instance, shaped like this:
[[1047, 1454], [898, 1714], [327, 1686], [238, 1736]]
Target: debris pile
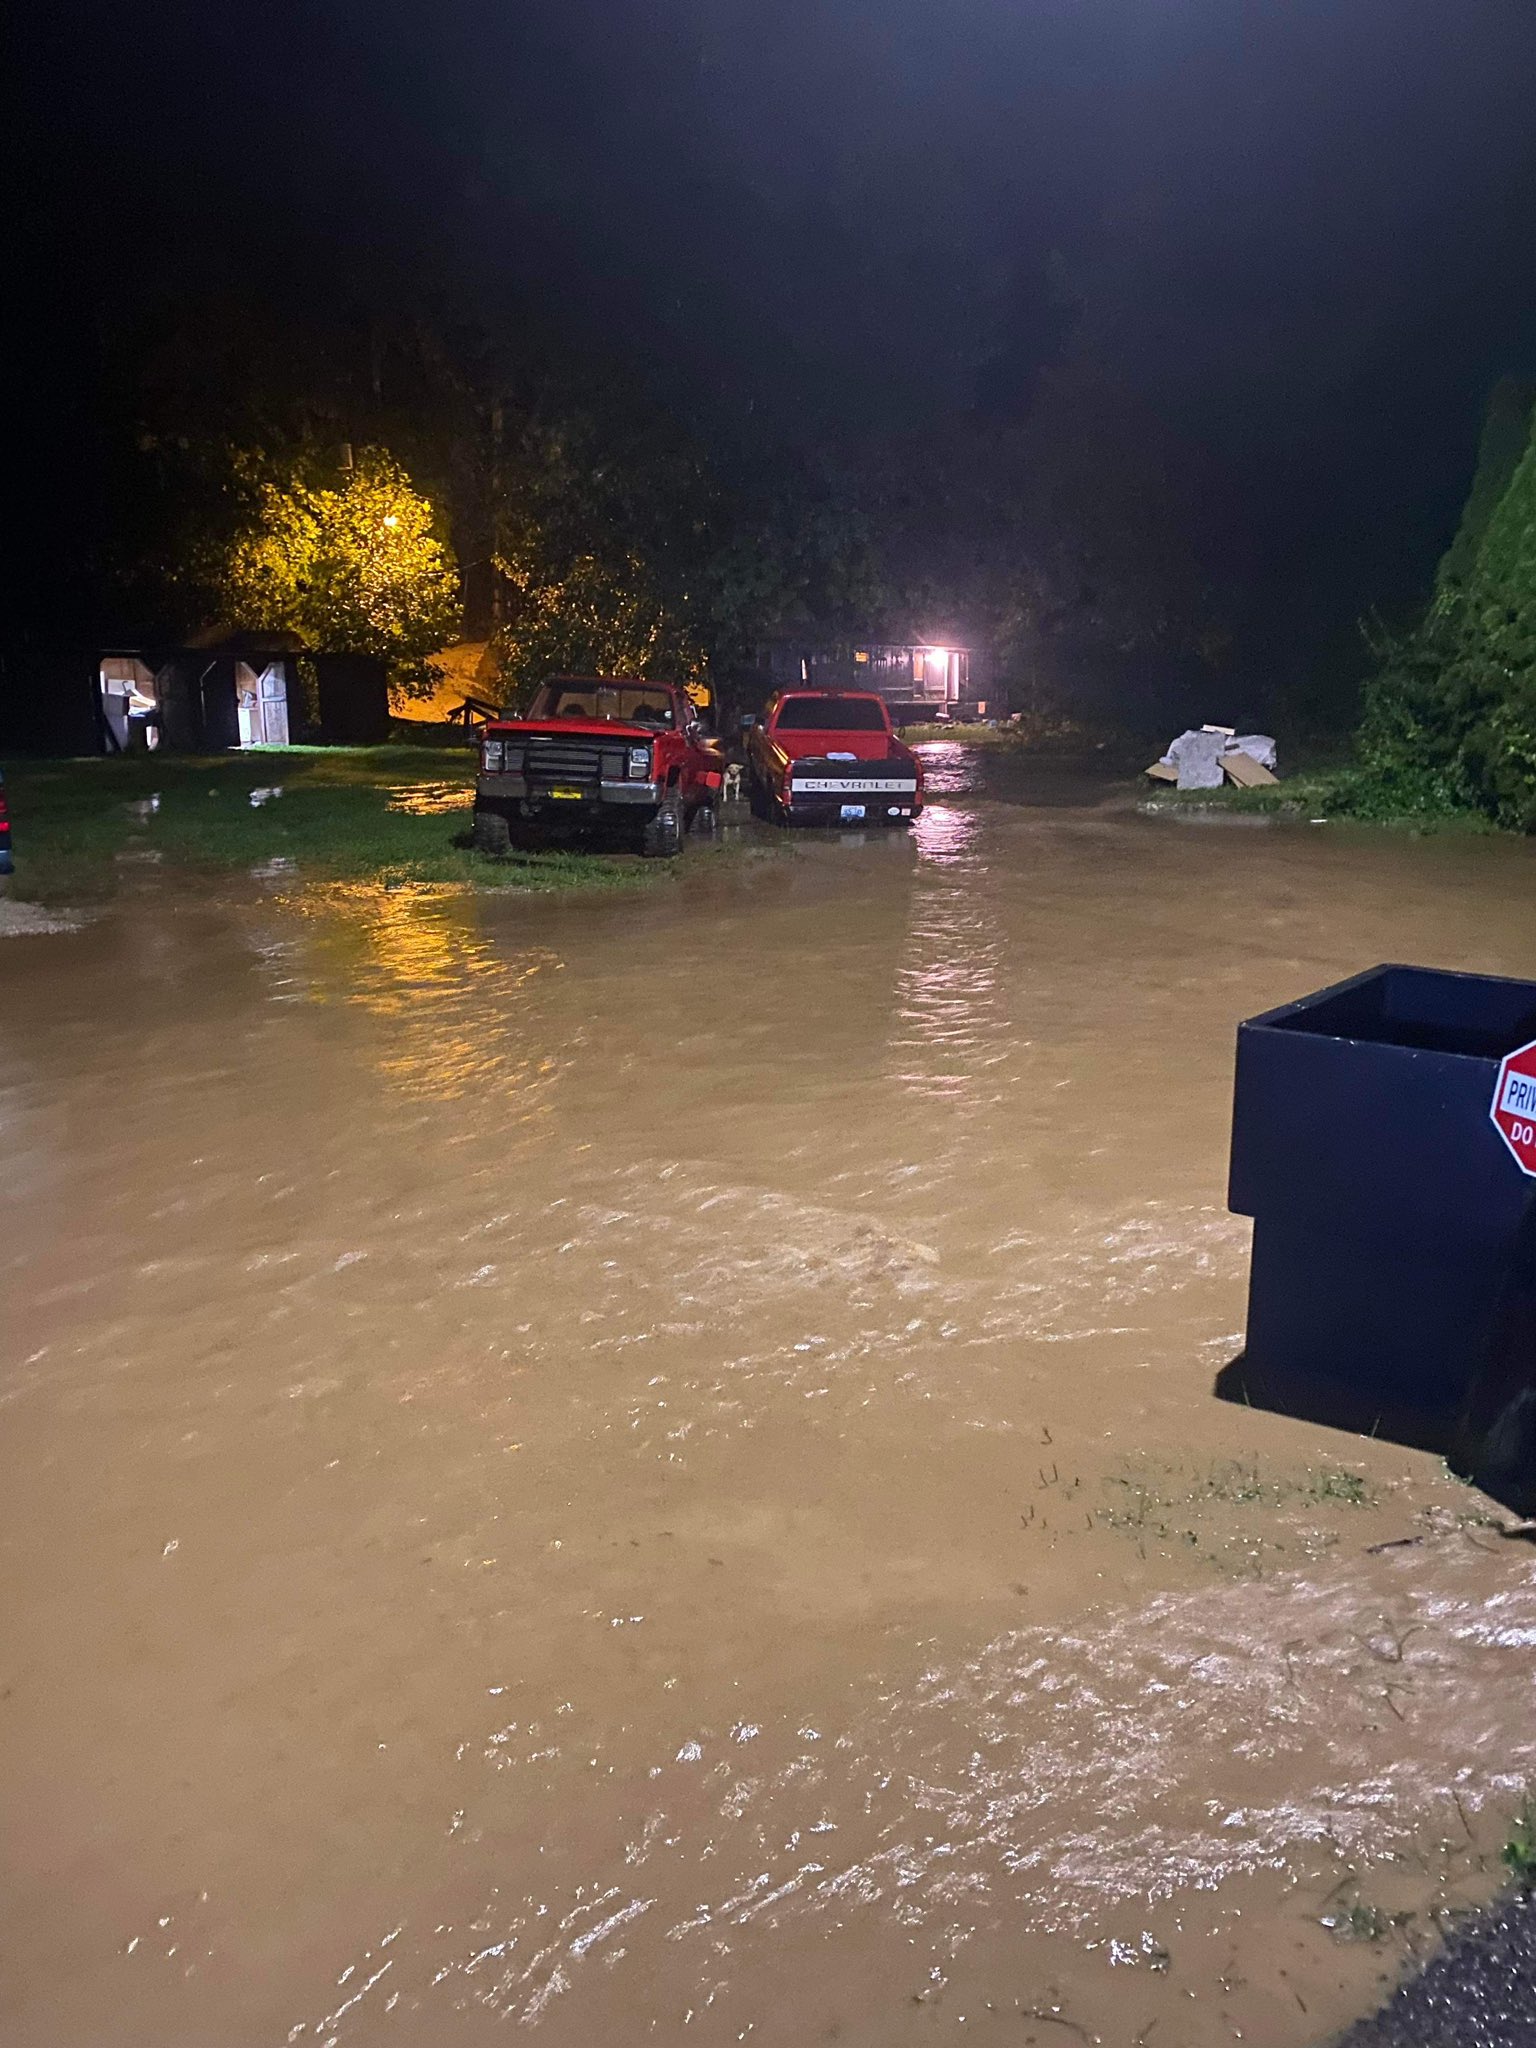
[[1215, 754]]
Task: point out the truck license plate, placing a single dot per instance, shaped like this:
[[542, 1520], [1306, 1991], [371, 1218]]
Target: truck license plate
[[574, 795], [852, 811]]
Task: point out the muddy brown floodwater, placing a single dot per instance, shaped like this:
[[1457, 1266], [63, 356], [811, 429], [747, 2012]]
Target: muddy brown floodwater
[[645, 1468]]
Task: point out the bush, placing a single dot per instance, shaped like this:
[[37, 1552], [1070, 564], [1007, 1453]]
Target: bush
[[1520, 1850], [1449, 723]]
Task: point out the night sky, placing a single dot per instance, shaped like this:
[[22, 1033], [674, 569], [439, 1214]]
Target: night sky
[[1301, 229]]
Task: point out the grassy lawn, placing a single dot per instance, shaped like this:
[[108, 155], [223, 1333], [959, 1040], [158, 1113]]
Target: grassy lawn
[[387, 813], [1034, 733], [1337, 792], [962, 735]]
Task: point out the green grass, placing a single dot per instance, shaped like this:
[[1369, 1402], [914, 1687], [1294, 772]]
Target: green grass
[[388, 814], [962, 735], [1519, 1853], [1035, 733], [1231, 1514], [1339, 792], [1361, 1921], [1242, 1483]]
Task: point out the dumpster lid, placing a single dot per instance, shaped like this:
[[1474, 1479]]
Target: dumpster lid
[[1422, 1009]]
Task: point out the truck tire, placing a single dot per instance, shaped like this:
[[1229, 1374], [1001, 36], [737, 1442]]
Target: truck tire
[[662, 838], [757, 796], [493, 835]]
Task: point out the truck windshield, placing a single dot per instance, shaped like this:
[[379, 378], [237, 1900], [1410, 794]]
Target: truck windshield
[[830, 714], [631, 704]]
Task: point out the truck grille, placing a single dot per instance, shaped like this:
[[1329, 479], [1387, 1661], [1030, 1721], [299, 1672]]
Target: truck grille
[[575, 761]]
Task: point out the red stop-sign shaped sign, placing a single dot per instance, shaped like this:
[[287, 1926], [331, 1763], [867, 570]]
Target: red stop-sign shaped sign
[[1514, 1106]]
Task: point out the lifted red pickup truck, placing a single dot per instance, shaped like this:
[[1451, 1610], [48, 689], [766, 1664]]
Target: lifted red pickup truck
[[829, 757], [597, 752]]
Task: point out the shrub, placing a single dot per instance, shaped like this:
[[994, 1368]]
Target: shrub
[[1449, 720]]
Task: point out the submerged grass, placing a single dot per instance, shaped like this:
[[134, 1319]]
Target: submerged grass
[[1033, 733], [1214, 1510], [389, 814]]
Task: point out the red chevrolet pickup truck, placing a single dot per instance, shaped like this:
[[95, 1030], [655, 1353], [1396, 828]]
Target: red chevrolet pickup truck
[[829, 757], [597, 752]]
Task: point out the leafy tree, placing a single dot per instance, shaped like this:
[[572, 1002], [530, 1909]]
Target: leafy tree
[[594, 538], [1493, 678], [1450, 715], [593, 614], [1083, 542], [352, 562], [621, 547], [1506, 432]]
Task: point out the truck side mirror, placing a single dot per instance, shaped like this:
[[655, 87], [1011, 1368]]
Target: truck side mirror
[[748, 720]]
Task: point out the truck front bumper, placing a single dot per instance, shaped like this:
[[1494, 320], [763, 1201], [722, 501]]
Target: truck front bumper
[[515, 795]]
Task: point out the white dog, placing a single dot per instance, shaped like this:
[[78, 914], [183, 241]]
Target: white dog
[[730, 792]]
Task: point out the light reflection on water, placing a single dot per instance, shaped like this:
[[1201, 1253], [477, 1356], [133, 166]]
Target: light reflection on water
[[951, 770], [431, 799], [950, 1031], [454, 1002], [945, 834]]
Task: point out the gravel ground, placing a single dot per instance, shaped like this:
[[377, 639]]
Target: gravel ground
[[1479, 1992]]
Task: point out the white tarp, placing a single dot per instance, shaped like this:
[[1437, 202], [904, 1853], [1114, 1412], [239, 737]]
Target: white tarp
[[1197, 756]]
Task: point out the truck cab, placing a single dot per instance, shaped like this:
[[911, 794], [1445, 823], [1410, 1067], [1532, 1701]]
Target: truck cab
[[597, 754], [831, 757]]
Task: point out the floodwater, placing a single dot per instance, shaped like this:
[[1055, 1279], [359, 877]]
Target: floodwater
[[644, 1468]]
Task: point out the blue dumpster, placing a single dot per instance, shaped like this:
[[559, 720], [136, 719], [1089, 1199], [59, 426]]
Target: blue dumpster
[[1386, 1206]]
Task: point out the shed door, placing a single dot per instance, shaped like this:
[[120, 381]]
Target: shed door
[[274, 707]]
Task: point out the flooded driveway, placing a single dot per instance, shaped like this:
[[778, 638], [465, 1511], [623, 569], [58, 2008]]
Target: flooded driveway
[[644, 1468]]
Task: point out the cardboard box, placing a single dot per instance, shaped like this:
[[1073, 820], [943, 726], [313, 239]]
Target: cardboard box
[[1247, 773]]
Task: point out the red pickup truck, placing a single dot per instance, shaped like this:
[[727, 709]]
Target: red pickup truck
[[829, 757], [596, 752]]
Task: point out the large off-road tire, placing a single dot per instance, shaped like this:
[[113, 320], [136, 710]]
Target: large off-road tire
[[662, 838], [702, 818], [493, 835], [757, 796]]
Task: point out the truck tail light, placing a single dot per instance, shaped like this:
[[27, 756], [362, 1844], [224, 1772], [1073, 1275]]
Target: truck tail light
[[639, 764], [491, 752]]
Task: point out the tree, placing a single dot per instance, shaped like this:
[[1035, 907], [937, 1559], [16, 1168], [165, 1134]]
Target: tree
[[620, 547], [1494, 675], [1450, 714], [353, 563], [1084, 542], [1506, 433]]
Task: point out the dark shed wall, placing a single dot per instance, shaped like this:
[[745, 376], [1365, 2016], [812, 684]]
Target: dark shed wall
[[49, 698]]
